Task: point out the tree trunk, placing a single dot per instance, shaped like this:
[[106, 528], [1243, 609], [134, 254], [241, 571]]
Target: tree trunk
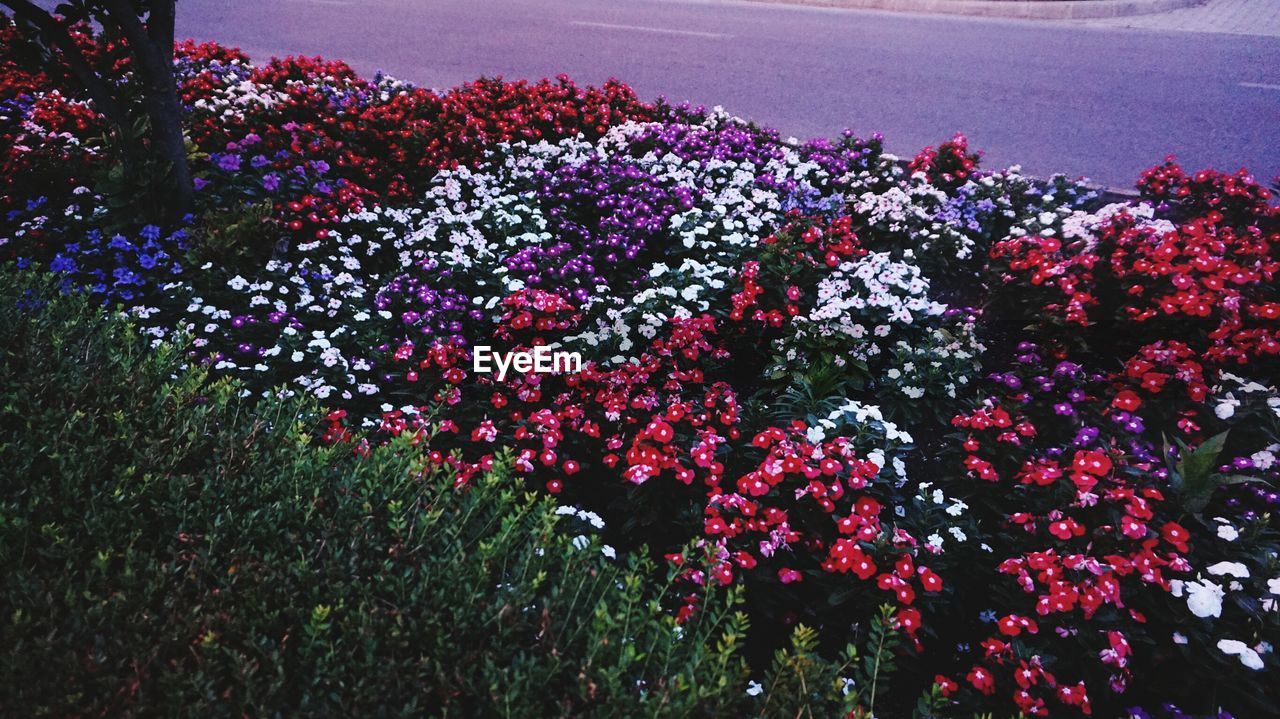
[[163, 106], [152, 50], [169, 145]]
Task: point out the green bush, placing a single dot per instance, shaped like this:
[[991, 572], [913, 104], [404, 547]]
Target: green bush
[[173, 548]]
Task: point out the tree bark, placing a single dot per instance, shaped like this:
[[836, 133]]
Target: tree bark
[[152, 50]]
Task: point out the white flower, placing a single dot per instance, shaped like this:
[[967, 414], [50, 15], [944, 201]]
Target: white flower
[[1264, 459], [1226, 407], [876, 457], [1235, 647], [1179, 638], [1226, 531], [754, 688], [1234, 569], [1204, 598]]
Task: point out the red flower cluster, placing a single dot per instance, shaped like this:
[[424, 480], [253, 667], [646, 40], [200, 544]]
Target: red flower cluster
[[1238, 197], [950, 165], [1053, 279], [1080, 499], [801, 250], [1207, 282]]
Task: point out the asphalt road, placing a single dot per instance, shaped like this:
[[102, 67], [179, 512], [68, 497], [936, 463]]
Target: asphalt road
[[1052, 96]]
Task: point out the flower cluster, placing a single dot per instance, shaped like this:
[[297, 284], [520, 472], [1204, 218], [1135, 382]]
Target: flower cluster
[[834, 379]]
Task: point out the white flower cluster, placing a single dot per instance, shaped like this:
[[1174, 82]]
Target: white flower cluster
[[877, 439], [621, 325], [864, 306], [910, 208], [937, 364], [1234, 390]]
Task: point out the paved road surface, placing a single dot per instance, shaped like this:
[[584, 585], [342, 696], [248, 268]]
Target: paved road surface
[[1078, 98]]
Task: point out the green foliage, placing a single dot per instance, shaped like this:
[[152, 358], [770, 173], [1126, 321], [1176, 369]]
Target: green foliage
[[1192, 475], [803, 684], [814, 390], [242, 236]]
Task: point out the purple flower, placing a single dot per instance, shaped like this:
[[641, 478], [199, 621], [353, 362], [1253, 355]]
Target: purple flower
[[1085, 436], [62, 263]]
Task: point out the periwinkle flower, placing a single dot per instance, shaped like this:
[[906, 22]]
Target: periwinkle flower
[[61, 263], [1085, 436]]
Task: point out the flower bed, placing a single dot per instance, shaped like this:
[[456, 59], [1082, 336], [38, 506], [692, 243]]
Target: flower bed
[[1042, 431]]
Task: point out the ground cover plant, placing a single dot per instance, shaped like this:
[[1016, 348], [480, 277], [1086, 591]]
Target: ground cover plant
[[1020, 440]]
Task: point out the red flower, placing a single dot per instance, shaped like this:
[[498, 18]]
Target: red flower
[[929, 580], [1175, 534], [866, 507], [1092, 462], [786, 575], [945, 685], [982, 680], [1127, 401], [1013, 625], [1066, 529], [907, 618]]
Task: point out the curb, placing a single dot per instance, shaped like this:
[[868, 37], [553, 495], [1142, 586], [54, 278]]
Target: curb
[[1110, 195], [1023, 9]]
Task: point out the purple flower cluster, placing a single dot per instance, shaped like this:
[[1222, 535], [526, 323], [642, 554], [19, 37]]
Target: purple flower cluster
[[428, 306], [604, 215]]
